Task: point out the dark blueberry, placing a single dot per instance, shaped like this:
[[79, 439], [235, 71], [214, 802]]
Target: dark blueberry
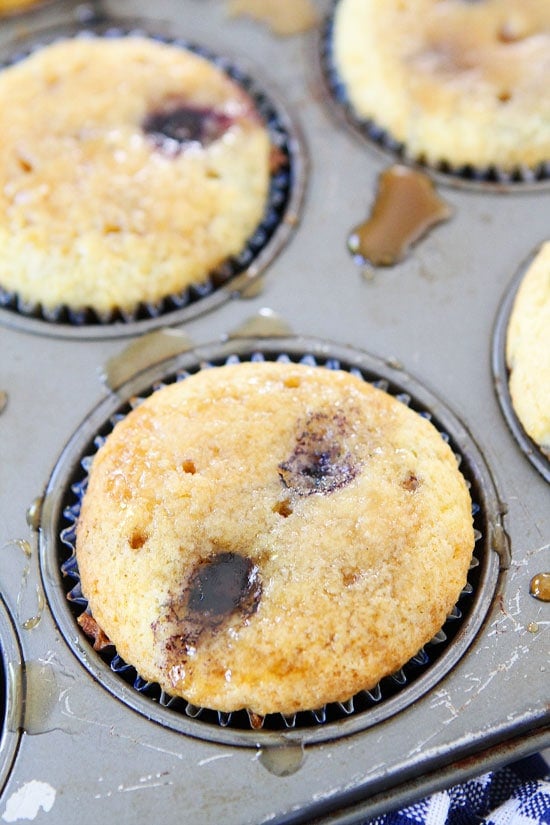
[[176, 125], [319, 462], [220, 587]]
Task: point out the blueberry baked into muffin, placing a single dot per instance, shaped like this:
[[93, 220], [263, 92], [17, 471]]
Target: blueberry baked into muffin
[[129, 169], [528, 350], [457, 82], [272, 536]]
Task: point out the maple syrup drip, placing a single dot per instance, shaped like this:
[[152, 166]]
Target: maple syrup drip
[[34, 621], [282, 761], [406, 207], [265, 324], [34, 513], [23, 545], [142, 353], [539, 587]]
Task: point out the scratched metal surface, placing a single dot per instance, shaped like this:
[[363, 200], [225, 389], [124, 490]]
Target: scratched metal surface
[[69, 748]]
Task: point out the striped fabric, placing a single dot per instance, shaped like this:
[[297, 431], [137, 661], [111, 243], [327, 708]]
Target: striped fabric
[[518, 794]]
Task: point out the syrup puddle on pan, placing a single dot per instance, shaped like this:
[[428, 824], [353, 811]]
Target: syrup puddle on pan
[[406, 207]]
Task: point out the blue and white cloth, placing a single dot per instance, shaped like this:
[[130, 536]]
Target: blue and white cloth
[[518, 794]]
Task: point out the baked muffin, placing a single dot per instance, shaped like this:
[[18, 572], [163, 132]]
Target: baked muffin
[[528, 350], [464, 83], [13, 6], [272, 536], [129, 170]]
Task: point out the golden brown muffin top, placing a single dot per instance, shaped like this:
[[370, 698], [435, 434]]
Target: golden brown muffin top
[[272, 536]]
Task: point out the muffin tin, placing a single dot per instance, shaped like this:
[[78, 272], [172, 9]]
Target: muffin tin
[[78, 738], [235, 275], [62, 502]]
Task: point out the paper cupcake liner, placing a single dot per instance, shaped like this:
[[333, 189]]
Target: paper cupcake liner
[[490, 177], [501, 374], [280, 216], [367, 705]]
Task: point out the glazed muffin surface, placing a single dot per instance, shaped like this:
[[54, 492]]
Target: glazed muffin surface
[[272, 536], [456, 82], [12, 6], [528, 350], [129, 170]]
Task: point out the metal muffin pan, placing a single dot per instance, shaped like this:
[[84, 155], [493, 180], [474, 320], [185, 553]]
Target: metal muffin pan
[[62, 502], [80, 751]]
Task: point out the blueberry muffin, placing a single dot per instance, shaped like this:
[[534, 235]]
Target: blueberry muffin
[[458, 82], [129, 170], [14, 6], [272, 536], [528, 350]]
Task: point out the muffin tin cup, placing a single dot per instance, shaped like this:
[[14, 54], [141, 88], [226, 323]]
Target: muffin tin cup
[[232, 277], [60, 575], [528, 447], [488, 179], [11, 698]]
